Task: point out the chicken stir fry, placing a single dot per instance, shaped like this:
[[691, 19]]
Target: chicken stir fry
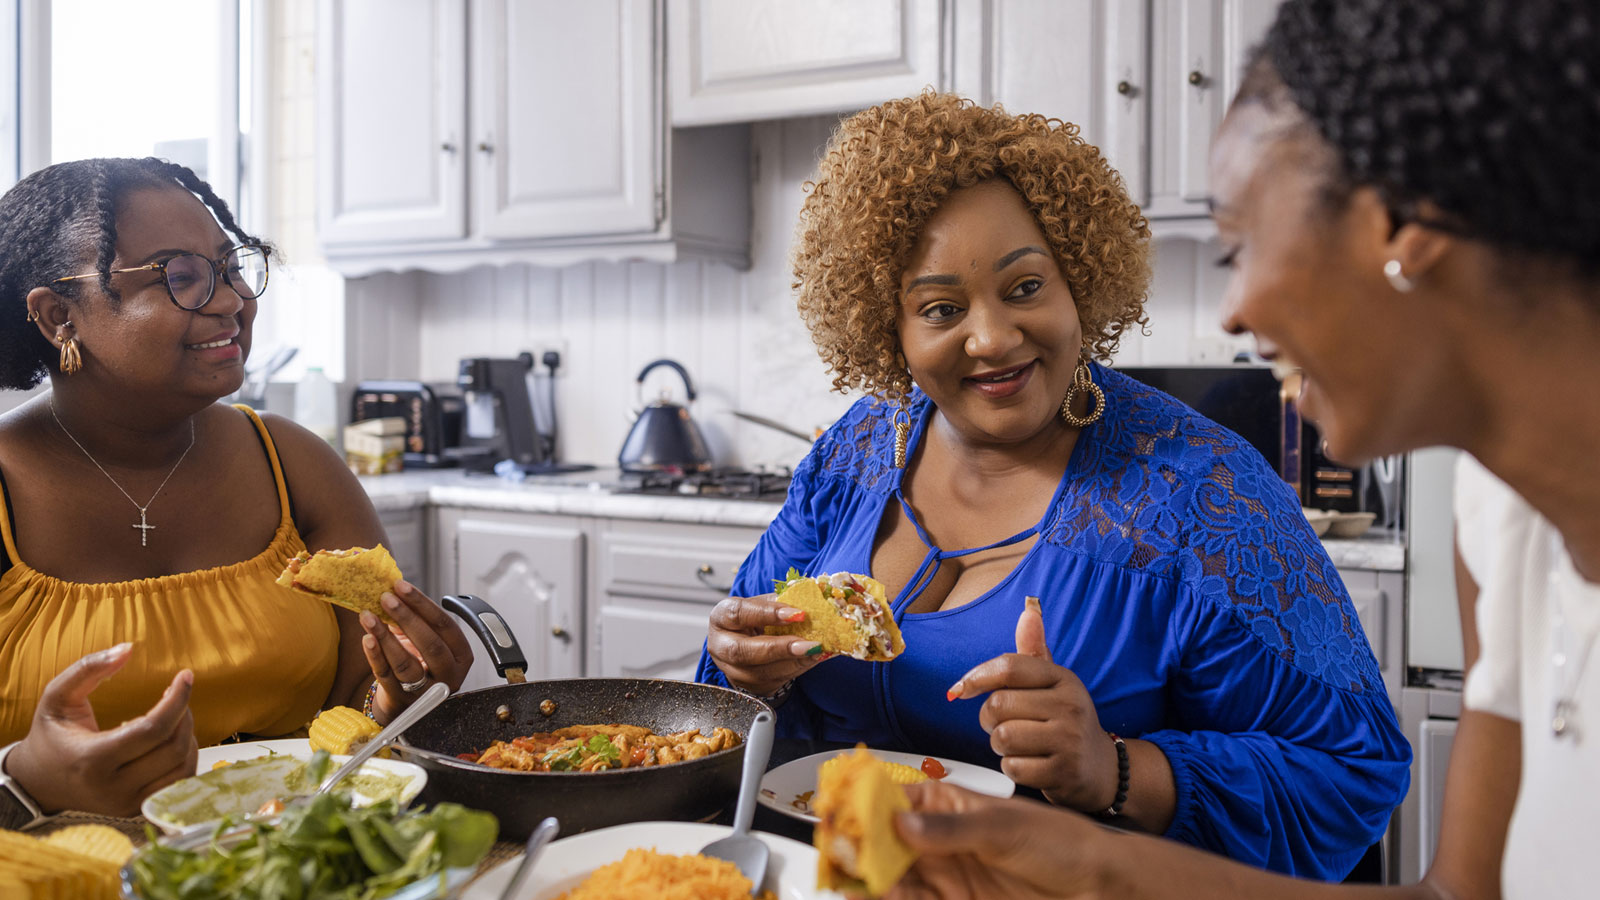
[[596, 748]]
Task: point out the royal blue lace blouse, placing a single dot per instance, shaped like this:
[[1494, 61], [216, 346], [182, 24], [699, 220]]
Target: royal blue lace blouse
[[1177, 579]]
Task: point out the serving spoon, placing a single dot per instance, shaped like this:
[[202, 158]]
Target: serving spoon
[[423, 705], [536, 841], [741, 848]]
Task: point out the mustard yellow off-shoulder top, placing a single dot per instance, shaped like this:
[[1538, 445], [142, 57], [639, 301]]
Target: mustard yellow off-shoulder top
[[263, 656]]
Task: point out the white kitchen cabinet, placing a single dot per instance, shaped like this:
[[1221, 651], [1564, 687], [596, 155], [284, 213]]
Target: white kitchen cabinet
[[530, 568], [655, 586], [1147, 81], [1379, 599], [407, 531], [745, 60], [502, 131], [391, 121], [1429, 717]]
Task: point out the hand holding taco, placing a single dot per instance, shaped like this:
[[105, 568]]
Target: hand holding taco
[[845, 613]]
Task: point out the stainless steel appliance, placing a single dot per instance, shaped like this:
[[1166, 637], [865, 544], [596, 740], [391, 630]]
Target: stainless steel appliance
[[770, 485], [433, 419]]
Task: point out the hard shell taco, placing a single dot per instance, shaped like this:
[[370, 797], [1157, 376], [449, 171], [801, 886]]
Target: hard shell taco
[[845, 613]]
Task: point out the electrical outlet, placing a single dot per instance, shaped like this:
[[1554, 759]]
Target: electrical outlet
[[548, 345]]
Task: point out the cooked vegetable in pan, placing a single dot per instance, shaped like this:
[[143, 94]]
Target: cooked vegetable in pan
[[596, 748]]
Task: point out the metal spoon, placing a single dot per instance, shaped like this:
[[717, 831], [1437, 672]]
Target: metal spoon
[[423, 705], [536, 841], [740, 848]]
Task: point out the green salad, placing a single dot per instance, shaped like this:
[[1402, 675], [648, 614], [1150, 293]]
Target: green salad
[[321, 850]]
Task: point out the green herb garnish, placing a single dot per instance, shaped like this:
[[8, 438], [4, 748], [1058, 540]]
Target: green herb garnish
[[779, 587], [601, 746]]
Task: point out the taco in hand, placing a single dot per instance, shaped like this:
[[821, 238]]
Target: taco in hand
[[355, 579], [859, 850], [845, 613]]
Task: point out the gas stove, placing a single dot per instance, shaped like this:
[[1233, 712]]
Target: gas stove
[[769, 485]]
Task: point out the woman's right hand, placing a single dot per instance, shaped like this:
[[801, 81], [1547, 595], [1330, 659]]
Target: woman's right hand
[[67, 762], [975, 846], [751, 659]]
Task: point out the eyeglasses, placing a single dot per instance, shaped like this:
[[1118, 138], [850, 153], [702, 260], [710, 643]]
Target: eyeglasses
[[192, 279]]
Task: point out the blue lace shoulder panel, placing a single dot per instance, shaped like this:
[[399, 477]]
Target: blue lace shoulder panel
[[1164, 490], [860, 446]]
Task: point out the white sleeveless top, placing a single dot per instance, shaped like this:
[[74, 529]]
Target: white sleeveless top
[[1539, 630]]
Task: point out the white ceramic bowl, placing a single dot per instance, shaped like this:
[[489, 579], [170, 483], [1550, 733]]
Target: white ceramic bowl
[[1351, 524], [1321, 519], [241, 788]]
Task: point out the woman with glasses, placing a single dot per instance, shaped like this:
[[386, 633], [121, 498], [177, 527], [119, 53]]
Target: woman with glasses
[[145, 522], [1407, 194]]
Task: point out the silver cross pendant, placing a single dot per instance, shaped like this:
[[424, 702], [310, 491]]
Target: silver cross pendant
[[144, 529]]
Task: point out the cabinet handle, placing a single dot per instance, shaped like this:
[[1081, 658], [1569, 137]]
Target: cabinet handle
[[560, 633], [448, 147], [704, 573], [1126, 88], [1197, 78], [485, 147]]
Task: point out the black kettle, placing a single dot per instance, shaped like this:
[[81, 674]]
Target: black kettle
[[664, 438]]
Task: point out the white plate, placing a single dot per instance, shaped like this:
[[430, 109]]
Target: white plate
[[256, 777], [299, 748], [791, 869], [789, 788]]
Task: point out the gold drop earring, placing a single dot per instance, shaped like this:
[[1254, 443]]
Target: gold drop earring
[[71, 355], [1083, 381]]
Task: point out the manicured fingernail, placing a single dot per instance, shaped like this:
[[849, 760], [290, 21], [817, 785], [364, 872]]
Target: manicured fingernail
[[790, 614], [391, 602], [954, 693], [368, 620], [403, 587], [811, 650], [369, 642], [112, 654], [186, 677]]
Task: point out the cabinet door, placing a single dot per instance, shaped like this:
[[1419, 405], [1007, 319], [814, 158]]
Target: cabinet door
[[1081, 61], [1197, 50], [649, 640], [531, 570], [1378, 598], [565, 117], [391, 119], [743, 60], [407, 532]]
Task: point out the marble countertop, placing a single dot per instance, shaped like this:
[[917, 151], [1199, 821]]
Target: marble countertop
[[587, 494]]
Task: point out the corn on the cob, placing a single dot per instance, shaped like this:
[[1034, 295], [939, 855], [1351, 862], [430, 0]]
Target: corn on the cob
[[342, 730], [899, 773]]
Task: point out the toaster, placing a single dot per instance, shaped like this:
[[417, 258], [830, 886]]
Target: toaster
[[433, 420]]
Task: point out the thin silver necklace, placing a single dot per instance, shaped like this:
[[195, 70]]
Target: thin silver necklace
[[144, 526]]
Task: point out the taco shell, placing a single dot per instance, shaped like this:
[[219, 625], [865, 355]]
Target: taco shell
[[861, 625], [355, 579], [859, 850]]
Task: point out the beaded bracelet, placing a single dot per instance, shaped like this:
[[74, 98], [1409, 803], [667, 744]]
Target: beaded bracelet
[[366, 705], [774, 699], [1122, 780]]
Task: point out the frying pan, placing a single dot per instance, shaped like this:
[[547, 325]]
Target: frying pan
[[471, 720]]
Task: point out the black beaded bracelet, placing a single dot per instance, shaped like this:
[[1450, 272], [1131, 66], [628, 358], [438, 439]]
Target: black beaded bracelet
[[1122, 780]]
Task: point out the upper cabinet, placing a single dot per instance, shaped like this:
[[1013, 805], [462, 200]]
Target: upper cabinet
[[1146, 80], [744, 60], [454, 133]]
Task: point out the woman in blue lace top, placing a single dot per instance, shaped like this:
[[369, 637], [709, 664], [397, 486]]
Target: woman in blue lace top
[[1194, 666]]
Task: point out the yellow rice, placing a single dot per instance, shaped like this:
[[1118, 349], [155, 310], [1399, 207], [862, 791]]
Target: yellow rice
[[646, 873]]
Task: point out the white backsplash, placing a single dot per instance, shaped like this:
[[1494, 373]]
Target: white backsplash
[[736, 332]]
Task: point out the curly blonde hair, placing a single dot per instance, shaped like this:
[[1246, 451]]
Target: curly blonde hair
[[889, 168]]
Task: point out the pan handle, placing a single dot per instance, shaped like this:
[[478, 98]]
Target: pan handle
[[492, 630]]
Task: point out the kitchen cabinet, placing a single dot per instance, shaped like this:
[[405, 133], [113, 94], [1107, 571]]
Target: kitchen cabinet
[[407, 531], [1379, 599], [531, 569], [1429, 717], [744, 60], [655, 586], [1146, 80], [453, 134]]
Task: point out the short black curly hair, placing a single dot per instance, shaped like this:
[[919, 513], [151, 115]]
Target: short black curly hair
[[1487, 111], [59, 219]]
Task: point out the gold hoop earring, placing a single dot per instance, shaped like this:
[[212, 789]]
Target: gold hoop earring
[[902, 434], [71, 356], [1083, 381], [33, 316]]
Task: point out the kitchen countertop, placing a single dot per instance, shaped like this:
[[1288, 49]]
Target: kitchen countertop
[[586, 494]]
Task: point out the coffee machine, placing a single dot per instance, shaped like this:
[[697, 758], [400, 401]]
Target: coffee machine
[[497, 422]]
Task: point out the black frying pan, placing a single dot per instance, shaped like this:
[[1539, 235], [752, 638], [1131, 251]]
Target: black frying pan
[[470, 721]]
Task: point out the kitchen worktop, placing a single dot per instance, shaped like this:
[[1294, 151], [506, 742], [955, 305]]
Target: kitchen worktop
[[588, 494]]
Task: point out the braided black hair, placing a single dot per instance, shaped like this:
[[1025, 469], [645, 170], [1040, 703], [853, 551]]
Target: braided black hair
[[59, 219], [1486, 110]]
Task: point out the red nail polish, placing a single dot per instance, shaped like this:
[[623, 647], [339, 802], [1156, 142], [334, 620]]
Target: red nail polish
[[952, 694], [796, 616]]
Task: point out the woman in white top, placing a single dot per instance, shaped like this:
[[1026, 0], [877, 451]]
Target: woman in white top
[[1408, 194]]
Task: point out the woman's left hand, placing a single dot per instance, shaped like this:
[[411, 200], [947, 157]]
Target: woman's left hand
[[1042, 722], [424, 645]]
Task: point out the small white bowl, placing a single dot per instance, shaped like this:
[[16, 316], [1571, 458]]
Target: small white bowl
[[241, 788], [1320, 519], [1351, 525]]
